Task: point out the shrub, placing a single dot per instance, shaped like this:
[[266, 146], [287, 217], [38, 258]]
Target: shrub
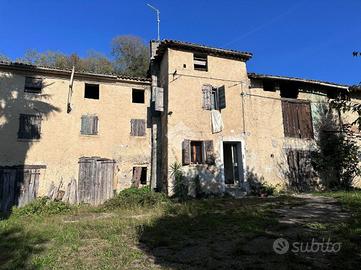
[[180, 188], [261, 189], [133, 197], [42, 206]]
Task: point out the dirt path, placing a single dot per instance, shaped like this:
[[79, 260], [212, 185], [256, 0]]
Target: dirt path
[[301, 236]]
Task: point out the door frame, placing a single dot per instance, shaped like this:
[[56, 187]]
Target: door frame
[[242, 161]]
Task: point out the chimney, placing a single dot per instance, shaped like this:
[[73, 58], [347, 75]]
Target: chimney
[[153, 48]]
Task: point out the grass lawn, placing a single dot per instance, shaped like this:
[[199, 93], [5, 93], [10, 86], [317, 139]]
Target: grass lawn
[[220, 233]]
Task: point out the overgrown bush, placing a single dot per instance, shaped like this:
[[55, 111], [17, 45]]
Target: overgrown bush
[[133, 197], [336, 159], [180, 187], [42, 206], [257, 186]]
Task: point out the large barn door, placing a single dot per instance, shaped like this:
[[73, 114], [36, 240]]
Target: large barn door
[[18, 185], [7, 189], [95, 180], [28, 183]]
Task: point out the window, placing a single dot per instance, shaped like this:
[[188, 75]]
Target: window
[[89, 125], [197, 152], [137, 127], [29, 126], [91, 91], [200, 62], [269, 86], [137, 96], [297, 119], [33, 85], [139, 176], [213, 98], [289, 90]]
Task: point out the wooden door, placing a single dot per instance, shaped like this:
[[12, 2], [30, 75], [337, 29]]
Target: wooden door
[[95, 184], [7, 189]]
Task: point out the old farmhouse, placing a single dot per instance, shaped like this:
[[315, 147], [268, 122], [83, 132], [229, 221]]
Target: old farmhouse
[[82, 137]]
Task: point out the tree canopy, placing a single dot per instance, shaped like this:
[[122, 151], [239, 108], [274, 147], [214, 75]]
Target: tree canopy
[[129, 56]]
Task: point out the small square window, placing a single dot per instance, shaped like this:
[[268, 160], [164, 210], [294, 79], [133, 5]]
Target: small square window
[[137, 96], [33, 85], [200, 62], [91, 91]]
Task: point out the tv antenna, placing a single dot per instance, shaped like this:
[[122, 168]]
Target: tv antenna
[[158, 20]]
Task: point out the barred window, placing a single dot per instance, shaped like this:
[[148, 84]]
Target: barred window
[[29, 126]]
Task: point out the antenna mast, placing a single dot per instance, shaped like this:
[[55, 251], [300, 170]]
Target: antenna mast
[[158, 19]]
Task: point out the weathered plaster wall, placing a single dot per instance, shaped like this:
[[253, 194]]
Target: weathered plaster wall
[[187, 119], [266, 144], [61, 144]]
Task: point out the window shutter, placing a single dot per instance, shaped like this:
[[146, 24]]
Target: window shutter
[[89, 125], [137, 172], [305, 120], [141, 127], [159, 99], [209, 152], [137, 127], [95, 125], [82, 125], [221, 97], [207, 97], [290, 118], [186, 152]]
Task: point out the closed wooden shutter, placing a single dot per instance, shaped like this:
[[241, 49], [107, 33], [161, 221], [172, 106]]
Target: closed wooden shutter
[[297, 119], [89, 125], [209, 152], [186, 152], [221, 97], [207, 97], [137, 173], [159, 99], [290, 119], [305, 120], [137, 127]]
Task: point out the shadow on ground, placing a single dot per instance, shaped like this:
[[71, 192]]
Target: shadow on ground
[[235, 234], [17, 246]]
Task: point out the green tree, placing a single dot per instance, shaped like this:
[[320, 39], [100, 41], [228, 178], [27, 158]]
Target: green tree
[[3, 57], [336, 159], [131, 55]]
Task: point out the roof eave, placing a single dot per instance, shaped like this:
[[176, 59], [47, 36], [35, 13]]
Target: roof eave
[[274, 77]]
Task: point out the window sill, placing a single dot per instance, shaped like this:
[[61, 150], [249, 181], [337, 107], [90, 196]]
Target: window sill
[[89, 136], [28, 140], [298, 138]]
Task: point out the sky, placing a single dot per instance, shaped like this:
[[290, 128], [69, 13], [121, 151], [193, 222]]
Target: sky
[[305, 38]]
